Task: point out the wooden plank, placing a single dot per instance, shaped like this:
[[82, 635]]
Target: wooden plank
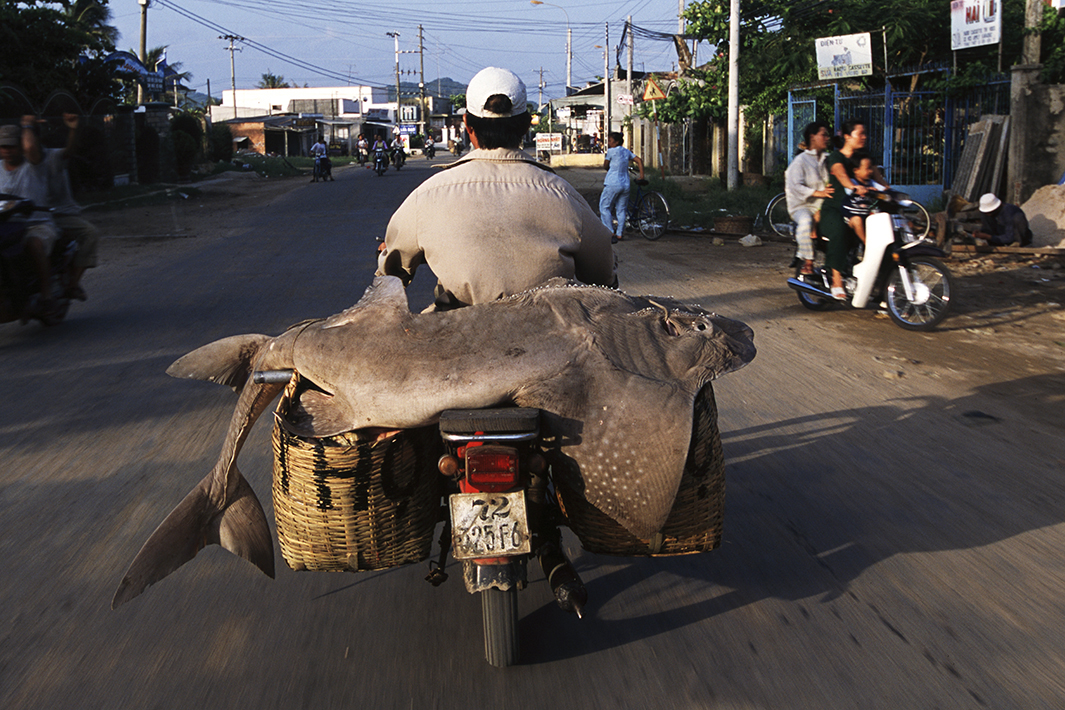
[[991, 249], [967, 163], [998, 172]]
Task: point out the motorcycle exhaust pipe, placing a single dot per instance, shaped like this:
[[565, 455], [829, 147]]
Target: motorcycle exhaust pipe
[[808, 288]]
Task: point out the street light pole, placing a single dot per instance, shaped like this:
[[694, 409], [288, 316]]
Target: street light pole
[[395, 37], [144, 46], [569, 42]]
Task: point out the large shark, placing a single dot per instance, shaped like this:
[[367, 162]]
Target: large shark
[[615, 376]]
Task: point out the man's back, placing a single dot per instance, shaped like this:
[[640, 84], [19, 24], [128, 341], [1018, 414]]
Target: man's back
[[495, 224]]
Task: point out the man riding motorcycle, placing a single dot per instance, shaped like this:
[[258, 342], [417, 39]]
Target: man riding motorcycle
[[496, 222]]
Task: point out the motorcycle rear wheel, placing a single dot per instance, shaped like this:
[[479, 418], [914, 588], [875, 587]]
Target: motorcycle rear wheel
[[499, 614], [932, 284]]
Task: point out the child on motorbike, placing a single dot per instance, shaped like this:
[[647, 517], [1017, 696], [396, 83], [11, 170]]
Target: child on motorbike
[[856, 207]]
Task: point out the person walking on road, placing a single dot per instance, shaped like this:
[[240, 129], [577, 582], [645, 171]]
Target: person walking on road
[[614, 202]]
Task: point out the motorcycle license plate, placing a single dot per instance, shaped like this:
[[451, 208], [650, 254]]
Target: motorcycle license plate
[[489, 525]]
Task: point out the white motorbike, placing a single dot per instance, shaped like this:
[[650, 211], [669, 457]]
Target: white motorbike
[[897, 271]]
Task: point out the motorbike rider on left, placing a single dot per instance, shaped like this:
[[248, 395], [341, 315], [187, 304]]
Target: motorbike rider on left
[[25, 174]]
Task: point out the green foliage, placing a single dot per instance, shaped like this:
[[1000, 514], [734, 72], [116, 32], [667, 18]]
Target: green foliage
[[185, 151], [1053, 43], [45, 47], [458, 101], [188, 124], [777, 48], [220, 143], [272, 81]]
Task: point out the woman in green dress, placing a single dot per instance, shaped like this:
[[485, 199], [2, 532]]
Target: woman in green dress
[[840, 165]]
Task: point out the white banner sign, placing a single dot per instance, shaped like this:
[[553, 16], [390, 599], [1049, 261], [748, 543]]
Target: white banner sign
[[625, 100], [549, 141], [843, 56], [974, 23]]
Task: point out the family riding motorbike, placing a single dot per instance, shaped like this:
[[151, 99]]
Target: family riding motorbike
[[897, 270], [380, 161], [430, 149], [19, 279]]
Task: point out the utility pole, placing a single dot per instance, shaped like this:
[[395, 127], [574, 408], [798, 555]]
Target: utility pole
[[628, 76], [733, 177], [421, 84], [144, 46], [606, 82], [233, 67], [395, 38]]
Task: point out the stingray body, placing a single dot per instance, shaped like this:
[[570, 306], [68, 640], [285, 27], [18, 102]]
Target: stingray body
[[614, 375]]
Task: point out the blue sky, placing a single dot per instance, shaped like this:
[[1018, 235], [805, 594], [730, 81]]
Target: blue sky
[[331, 43]]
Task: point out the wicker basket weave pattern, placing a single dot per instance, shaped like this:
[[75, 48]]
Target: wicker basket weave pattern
[[695, 521], [342, 506]]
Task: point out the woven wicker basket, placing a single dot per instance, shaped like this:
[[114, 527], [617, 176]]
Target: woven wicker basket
[[695, 521], [734, 225], [347, 506]]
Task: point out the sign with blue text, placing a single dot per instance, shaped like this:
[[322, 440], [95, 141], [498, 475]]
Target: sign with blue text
[[844, 56], [975, 23]]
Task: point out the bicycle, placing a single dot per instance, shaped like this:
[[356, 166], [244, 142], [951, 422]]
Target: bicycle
[[648, 212], [778, 219]]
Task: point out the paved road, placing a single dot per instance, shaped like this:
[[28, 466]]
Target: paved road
[[891, 542]]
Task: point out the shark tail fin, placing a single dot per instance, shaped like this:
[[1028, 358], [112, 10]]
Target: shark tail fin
[[227, 361], [239, 526]]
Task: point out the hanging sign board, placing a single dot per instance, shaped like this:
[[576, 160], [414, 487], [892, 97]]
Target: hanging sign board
[[974, 23], [653, 92], [844, 56], [549, 141]]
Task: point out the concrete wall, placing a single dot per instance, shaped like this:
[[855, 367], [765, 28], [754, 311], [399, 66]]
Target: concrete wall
[[1037, 134]]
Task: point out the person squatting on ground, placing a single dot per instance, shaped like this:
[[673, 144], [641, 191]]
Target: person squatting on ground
[[496, 222], [25, 174], [857, 207], [1002, 223], [805, 187], [616, 185]]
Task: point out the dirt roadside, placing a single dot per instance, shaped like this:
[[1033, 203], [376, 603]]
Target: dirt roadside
[[1012, 303]]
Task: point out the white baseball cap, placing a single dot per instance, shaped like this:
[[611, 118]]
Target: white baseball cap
[[491, 81], [989, 203]]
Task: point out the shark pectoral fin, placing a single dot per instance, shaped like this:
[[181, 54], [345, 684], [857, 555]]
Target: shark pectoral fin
[[195, 523], [318, 414], [227, 361]]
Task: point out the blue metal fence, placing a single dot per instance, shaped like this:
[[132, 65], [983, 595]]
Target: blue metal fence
[[917, 135]]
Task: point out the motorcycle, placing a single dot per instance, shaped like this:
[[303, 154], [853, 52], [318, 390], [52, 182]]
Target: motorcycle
[[899, 270], [430, 149], [380, 162], [399, 157], [499, 518], [19, 281], [323, 168]]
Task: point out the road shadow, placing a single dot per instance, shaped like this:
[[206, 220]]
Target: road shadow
[[815, 501]]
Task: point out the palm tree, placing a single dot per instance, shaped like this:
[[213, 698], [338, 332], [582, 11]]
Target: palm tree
[[273, 81], [92, 17], [152, 58]]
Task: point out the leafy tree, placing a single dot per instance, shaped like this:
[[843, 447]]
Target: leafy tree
[[45, 47], [272, 81], [458, 101], [777, 48]]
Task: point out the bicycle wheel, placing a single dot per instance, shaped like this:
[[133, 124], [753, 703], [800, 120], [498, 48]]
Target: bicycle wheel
[[652, 215], [778, 218], [918, 217]]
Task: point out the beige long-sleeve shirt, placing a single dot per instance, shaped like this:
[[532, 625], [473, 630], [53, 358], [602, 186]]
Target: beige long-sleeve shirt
[[493, 224]]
